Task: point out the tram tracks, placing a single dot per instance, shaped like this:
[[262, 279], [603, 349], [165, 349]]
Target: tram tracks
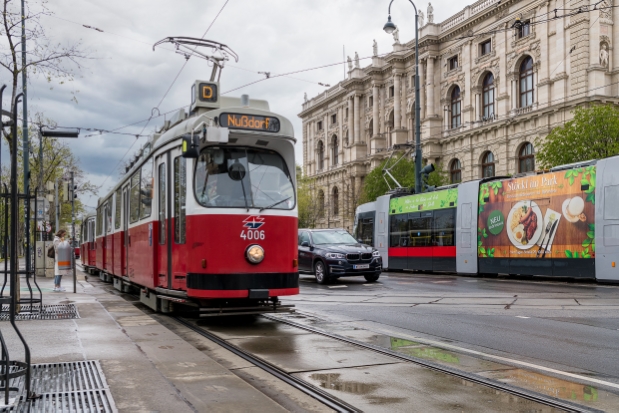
[[341, 406]]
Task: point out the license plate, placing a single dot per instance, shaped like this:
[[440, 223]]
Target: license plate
[[361, 266]]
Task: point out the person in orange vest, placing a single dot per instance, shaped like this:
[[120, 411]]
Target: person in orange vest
[[62, 265]]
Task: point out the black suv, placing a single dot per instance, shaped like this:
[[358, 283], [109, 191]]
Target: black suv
[[334, 253]]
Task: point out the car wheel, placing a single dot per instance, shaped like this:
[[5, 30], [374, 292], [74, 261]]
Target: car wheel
[[371, 278], [320, 272]]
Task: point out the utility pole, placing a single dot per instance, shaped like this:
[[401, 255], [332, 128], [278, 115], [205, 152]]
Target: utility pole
[[57, 201], [73, 232], [24, 79]]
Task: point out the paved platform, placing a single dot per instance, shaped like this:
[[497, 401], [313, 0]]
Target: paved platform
[[148, 367]]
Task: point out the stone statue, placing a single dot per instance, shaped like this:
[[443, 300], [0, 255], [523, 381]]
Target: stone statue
[[305, 96], [421, 19], [375, 48], [604, 56], [349, 63], [396, 35], [356, 60], [430, 13]]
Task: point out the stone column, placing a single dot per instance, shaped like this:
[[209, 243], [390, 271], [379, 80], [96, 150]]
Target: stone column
[[515, 93], [357, 120], [397, 111], [351, 127], [375, 115], [431, 111]]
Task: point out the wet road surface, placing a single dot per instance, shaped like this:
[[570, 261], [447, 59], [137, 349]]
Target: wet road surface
[[561, 337]]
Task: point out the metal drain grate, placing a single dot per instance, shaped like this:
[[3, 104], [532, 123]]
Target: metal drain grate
[[65, 387], [48, 312]]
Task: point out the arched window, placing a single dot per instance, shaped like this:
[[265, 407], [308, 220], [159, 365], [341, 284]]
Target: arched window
[[321, 155], [336, 202], [455, 171], [526, 83], [487, 165], [336, 150], [321, 204], [456, 105], [488, 97], [526, 158]]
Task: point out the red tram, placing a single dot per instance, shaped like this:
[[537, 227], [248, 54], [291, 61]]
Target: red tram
[[206, 213]]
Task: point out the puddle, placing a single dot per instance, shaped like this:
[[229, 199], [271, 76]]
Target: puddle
[[332, 381]]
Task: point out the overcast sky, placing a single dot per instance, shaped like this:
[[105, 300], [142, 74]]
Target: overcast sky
[[124, 78]]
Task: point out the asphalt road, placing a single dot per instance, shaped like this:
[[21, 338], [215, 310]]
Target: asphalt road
[[569, 326]]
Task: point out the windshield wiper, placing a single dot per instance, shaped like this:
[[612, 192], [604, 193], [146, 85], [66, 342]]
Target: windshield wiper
[[275, 204]]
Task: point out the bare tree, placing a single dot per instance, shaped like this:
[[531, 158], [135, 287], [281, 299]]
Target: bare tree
[[44, 57]]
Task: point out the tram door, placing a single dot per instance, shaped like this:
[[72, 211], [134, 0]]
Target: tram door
[[164, 246], [125, 229]]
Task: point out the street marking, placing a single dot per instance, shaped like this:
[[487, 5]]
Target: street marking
[[521, 316], [440, 282], [471, 281], [338, 286], [372, 285], [479, 353]]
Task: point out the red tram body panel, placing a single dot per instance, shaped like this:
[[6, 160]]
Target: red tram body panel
[[206, 213]]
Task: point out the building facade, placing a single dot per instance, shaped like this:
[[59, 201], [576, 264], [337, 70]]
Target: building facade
[[495, 79]]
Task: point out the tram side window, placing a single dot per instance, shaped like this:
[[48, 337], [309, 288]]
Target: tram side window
[[146, 189], [444, 227], [180, 197], [420, 229], [99, 221], [135, 198], [162, 204], [399, 231], [108, 217], [117, 212]]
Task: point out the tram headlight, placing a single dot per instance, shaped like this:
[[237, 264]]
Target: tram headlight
[[255, 254]]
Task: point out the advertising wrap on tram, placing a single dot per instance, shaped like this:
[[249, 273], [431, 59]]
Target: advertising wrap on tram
[[540, 217]]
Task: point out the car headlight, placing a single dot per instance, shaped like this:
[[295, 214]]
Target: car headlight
[[334, 255], [375, 254], [255, 254]]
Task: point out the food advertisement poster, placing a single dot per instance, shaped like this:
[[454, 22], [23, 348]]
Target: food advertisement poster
[[427, 201], [540, 216]]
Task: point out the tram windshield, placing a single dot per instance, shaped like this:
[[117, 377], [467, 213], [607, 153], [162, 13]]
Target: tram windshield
[[243, 178]]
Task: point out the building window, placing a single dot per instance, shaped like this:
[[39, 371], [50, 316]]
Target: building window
[[319, 125], [456, 105], [453, 63], [485, 47], [346, 113], [336, 149], [391, 91], [321, 204], [526, 158], [455, 171], [524, 29], [526, 83], [336, 202], [488, 97], [487, 165], [333, 118], [371, 101], [321, 155]]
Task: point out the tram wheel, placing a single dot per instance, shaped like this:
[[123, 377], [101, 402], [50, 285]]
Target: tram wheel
[[371, 278], [321, 273]]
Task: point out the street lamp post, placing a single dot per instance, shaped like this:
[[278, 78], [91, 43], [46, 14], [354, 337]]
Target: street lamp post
[[390, 28]]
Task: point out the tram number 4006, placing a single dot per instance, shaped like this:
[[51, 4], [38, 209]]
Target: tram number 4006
[[253, 234]]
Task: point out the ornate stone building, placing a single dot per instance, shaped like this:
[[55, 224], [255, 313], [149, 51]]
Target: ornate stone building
[[495, 79]]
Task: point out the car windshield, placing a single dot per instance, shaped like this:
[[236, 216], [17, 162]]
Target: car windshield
[[243, 178], [333, 237]]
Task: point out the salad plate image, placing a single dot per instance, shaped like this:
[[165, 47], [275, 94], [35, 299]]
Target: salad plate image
[[524, 224]]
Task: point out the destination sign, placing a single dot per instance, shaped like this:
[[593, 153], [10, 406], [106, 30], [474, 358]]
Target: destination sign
[[249, 122], [207, 92]]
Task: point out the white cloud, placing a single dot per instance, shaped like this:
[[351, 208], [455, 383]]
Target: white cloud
[[124, 79]]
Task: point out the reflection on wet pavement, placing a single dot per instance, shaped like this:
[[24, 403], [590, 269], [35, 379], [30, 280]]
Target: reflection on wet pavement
[[551, 386]]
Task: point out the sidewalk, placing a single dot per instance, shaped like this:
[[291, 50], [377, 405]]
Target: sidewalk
[[148, 367]]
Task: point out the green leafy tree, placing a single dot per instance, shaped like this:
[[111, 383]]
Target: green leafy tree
[[306, 201], [404, 171], [592, 134]]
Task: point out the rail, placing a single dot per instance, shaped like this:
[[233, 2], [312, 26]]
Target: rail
[[307, 388], [526, 394]]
